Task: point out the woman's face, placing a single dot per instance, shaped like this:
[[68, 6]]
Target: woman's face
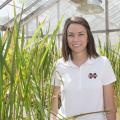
[[77, 38]]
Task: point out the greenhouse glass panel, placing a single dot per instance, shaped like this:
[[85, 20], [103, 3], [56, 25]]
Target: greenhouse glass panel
[[2, 1], [67, 9], [30, 6], [114, 14], [6, 13]]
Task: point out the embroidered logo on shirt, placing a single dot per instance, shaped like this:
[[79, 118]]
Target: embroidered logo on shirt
[[92, 75]]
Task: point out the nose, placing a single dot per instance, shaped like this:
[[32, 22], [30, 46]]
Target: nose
[[76, 38]]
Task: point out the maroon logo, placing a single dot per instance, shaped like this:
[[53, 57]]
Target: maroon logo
[[92, 75]]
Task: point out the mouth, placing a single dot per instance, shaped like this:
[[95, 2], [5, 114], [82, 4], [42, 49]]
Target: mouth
[[76, 45]]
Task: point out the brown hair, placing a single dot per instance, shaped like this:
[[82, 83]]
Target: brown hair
[[66, 51]]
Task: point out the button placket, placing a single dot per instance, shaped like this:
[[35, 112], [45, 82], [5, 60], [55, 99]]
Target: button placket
[[80, 77]]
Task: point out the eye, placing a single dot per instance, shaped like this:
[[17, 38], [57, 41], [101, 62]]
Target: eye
[[70, 35], [81, 34]]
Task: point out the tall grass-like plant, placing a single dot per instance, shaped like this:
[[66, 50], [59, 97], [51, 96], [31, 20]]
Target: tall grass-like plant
[[25, 73], [113, 54]]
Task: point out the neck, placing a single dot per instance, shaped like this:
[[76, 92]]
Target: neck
[[80, 58]]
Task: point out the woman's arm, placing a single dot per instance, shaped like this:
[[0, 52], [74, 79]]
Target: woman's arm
[[56, 91], [109, 102]]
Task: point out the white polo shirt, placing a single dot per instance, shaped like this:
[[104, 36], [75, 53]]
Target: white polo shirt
[[82, 87]]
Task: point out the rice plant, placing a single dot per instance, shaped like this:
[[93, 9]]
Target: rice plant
[[113, 54], [25, 73]]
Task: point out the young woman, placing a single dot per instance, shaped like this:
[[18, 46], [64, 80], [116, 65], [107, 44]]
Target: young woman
[[82, 77]]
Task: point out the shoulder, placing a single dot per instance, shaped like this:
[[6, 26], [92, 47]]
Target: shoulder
[[104, 63], [60, 62], [108, 75], [102, 59], [60, 65]]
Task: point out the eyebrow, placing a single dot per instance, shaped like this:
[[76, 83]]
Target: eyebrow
[[73, 32]]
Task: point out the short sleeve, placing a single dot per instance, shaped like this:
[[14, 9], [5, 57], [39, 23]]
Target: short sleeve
[[56, 78], [108, 73]]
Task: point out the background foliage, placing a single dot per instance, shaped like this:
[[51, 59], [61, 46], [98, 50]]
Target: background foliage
[[25, 73]]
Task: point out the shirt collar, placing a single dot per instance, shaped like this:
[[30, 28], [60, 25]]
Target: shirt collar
[[88, 62]]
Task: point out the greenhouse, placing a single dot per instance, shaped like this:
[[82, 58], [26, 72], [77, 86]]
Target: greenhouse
[[31, 39]]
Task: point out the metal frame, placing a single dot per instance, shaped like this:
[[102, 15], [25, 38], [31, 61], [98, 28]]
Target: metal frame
[[39, 10], [24, 10], [107, 24], [2, 28], [95, 32], [5, 3], [49, 4]]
